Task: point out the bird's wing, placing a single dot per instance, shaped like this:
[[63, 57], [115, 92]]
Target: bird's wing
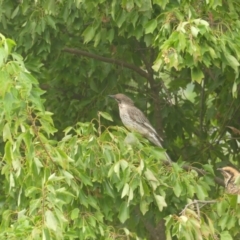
[[138, 116]]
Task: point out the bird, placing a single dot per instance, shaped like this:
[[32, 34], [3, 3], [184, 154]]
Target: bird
[[230, 175], [134, 120]]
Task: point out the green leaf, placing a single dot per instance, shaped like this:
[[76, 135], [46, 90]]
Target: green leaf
[[200, 192], [11, 181], [27, 138], [222, 221], [158, 153], [106, 116], [85, 179], [50, 21], [131, 139], [51, 221], [110, 35], [129, 5], [121, 18], [161, 3], [194, 31], [197, 75], [225, 236], [17, 166], [46, 234], [221, 207], [67, 130], [97, 39], [68, 176], [5, 80], [235, 90], [38, 164], [182, 41], [130, 195], [8, 45], [160, 202], [201, 22], [150, 26], [177, 188], [8, 152], [123, 164], [145, 5], [108, 189], [35, 204], [7, 133], [92, 202], [151, 179], [88, 34], [125, 190], [209, 168], [123, 212], [141, 189], [117, 168], [15, 12], [144, 206], [238, 199], [148, 39], [233, 62]]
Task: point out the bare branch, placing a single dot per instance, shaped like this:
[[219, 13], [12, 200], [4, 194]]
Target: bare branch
[[140, 71], [197, 202]]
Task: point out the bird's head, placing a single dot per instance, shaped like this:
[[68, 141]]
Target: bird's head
[[122, 99], [230, 174]]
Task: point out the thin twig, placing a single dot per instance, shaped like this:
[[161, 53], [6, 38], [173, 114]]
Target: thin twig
[[99, 123], [169, 99], [202, 106], [36, 131], [198, 210], [197, 202]]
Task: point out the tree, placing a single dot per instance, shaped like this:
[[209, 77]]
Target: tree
[[70, 175]]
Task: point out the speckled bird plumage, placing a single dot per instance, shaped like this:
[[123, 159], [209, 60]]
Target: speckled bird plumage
[[135, 120], [230, 175]]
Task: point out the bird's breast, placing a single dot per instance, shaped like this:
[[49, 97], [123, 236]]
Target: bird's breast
[[131, 123]]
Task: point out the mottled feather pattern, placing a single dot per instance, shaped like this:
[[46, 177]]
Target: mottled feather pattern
[[230, 175]]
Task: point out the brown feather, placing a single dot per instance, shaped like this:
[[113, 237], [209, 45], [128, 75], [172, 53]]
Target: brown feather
[[230, 175]]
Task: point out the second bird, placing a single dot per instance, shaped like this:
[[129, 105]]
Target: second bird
[[135, 120]]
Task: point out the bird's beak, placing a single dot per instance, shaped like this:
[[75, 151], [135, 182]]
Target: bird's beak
[[219, 169], [112, 96]]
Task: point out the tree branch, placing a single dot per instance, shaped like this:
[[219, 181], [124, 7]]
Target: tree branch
[[108, 60], [217, 180], [154, 91], [196, 202], [202, 106], [202, 172]]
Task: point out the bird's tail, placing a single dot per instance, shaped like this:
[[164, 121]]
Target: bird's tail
[[168, 158], [155, 139]]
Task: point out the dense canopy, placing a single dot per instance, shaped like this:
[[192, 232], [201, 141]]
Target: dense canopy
[[67, 169]]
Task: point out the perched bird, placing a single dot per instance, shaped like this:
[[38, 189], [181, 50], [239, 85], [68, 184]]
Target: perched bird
[[230, 175], [135, 120]]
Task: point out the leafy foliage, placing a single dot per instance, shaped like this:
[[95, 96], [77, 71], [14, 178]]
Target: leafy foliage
[[67, 171]]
